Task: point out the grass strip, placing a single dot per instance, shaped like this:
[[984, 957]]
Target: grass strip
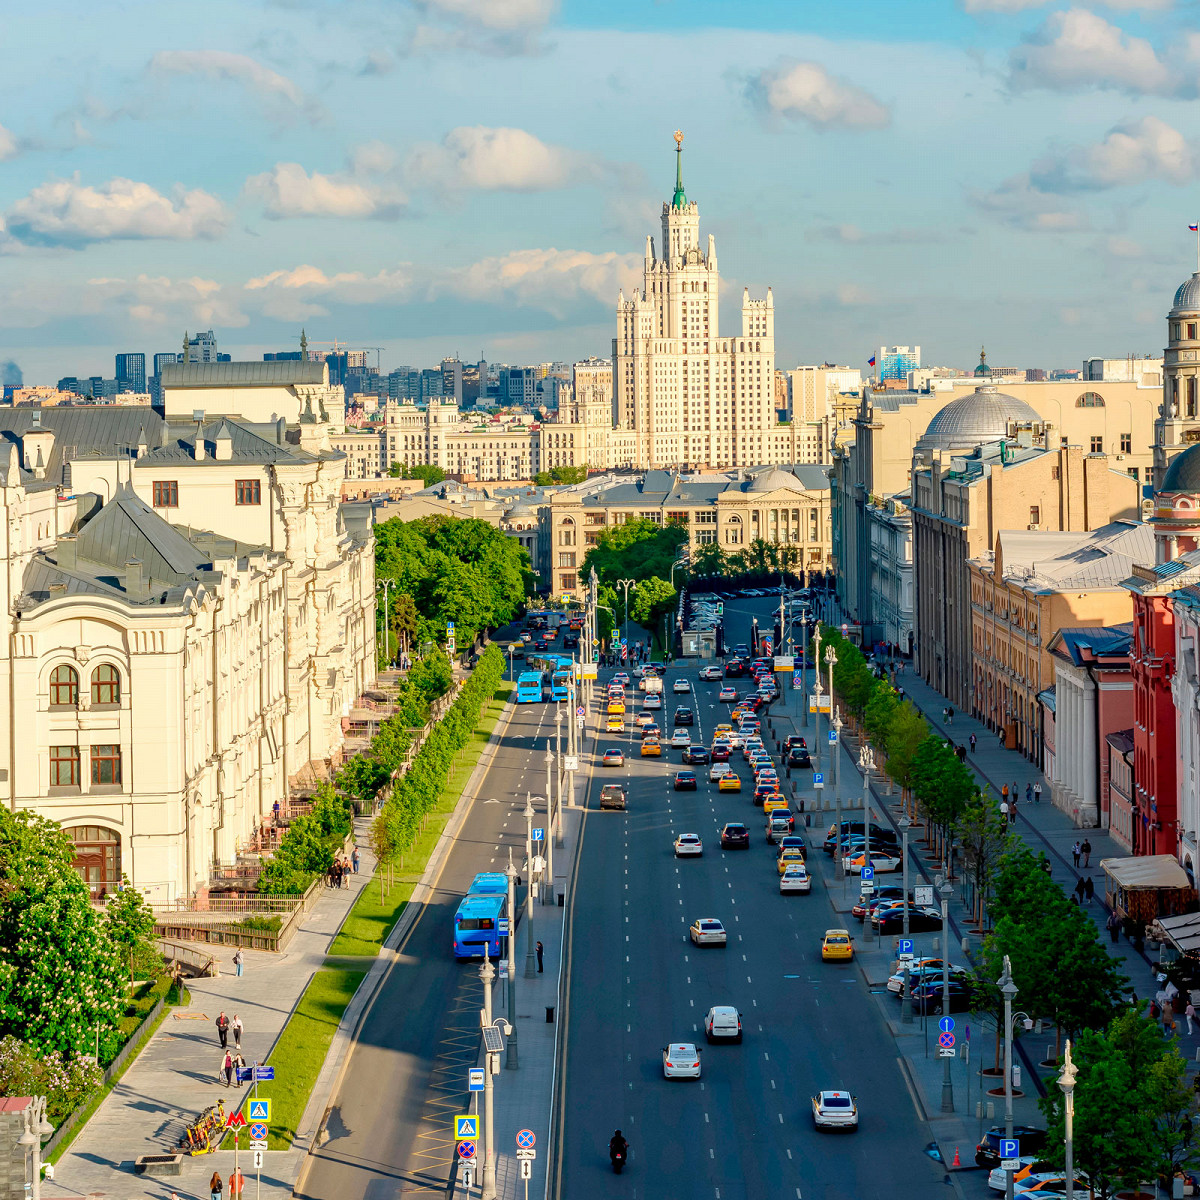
[[371, 919]]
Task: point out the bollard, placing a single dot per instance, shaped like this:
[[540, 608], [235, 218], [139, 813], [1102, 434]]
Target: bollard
[[549, 1014], [966, 946], [562, 901], [808, 825], [991, 1111], [979, 1110]]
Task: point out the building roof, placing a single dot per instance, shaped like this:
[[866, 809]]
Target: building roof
[[1187, 297], [1066, 561], [1146, 871], [1084, 643], [1048, 699], [248, 444], [980, 416], [1183, 474], [1121, 741], [283, 373]]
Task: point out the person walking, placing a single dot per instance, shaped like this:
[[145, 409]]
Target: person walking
[[539, 957], [239, 961], [1089, 889], [354, 860], [1004, 809], [222, 1023], [1086, 847], [237, 1032], [1037, 793], [1168, 1019], [971, 739], [1080, 888], [215, 1186], [1004, 796], [1189, 1015], [1028, 792], [227, 1068], [1012, 808], [1113, 925], [237, 1182], [1076, 851]]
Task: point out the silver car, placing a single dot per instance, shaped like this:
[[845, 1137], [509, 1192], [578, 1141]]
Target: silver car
[[834, 1110], [707, 931], [681, 1060]]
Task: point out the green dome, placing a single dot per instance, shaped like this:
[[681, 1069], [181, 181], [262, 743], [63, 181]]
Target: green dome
[[983, 370]]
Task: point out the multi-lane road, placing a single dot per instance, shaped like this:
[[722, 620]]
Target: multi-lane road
[[744, 1130]]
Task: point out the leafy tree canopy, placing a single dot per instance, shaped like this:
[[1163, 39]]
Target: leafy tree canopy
[[558, 475], [426, 472]]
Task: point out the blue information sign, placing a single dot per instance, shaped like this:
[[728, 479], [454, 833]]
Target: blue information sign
[[539, 835], [475, 1079], [262, 1073], [946, 1024], [1010, 1148], [906, 946], [867, 874]]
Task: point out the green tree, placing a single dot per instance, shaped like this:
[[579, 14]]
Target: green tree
[[983, 833], [906, 733], [708, 561], [561, 475], [636, 550], [129, 922], [60, 973], [427, 473], [653, 597]]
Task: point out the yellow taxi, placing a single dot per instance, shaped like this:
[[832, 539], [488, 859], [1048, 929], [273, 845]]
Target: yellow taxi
[[722, 731], [616, 707], [616, 724], [729, 783], [836, 946], [788, 856], [651, 748]]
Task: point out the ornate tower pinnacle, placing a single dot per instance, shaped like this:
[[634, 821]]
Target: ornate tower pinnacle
[[680, 199], [303, 346], [187, 347]]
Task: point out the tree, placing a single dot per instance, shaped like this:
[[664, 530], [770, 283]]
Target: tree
[[560, 475], [907, 731], [60, 974], [653, 598], [635, 550], [708, 562], [983, 834], [427, 473], [129, 921]]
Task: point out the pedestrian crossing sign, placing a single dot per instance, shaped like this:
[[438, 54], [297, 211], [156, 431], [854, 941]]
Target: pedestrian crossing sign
[[466, 1128], [258, 1110]]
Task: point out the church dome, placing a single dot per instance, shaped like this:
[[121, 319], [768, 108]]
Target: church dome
[[1187, 298], [772, 480], [983, 371], [971, 420], [1183, 475]]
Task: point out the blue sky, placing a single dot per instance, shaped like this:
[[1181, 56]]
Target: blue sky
[[478, 176]]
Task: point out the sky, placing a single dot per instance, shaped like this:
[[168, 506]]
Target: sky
[[477, 177]]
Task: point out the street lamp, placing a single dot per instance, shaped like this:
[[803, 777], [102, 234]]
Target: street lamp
[[510, 1062], [906, 1017], [866, 760], [804, 624], [553, 805], [945, 890], [387, 640], [37, 1129], [1009, 991], [1066, 1081], [530, 949], [817, 691], [493, 1046], [627, 584]]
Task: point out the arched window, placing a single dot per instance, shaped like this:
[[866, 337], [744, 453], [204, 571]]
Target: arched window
[[106, 685], [64, 686], [97, 858], [1090, 400]]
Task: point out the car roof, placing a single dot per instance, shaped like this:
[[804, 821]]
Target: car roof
[[682, 1048], [795, 869], [724, 1010], [708, 921], [833, 1094], [690, 835], [837, 933], [735, 825]]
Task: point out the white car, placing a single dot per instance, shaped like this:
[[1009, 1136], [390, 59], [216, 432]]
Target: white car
[[707, 931], [652, 701], [795, 878], [1022, 1187], [717, 770], [997, 1177], [711, 673], [681, 739], [883, 862], [688, 845], [723, 1024], [834, 1110], [681, 1060], [680, 686]]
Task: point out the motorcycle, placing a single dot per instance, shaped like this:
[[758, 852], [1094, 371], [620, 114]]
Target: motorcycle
[[618, 1160]]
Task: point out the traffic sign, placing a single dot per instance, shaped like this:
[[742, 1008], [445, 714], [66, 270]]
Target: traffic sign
[[867, 874], [866, 888], [1010, 1164], [259, 1110], [475, 1078], [235, 1120], [946, 1052], [818, 779], [449, 626], [946, 1025], [946, 1040], [832, 736], [527, 1154], [262, 1073], [503, 925], [245, 1074], [258, 1159], [466, 1128], [467, 1176], [526, 1168], [259, 1145], [1010, 1148], [258, 1131], [466, 1149], [906, 946], [526, 1139], [581, 711], [538, 835]]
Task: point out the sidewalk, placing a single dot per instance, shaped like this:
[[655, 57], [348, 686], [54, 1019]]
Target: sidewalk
[[175, 1076]]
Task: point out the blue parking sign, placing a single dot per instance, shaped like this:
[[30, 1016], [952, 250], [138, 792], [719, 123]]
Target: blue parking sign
[[906, 946], [1009, 1148], [818, 779], [867, 874], [832, 735]]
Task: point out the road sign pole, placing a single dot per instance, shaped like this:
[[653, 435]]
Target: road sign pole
[[488, 1186], [510, 1061], [906, 984], [947, 1082], [530, 948]]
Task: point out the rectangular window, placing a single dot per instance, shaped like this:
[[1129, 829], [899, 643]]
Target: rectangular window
[[64, 766], [1132, 472], [566, 560], [1097, 445], [248, 491], [1035, 514], [106, 764], [166, 494], [1127, 443]]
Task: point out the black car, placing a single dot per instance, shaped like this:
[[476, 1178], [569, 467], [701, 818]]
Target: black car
[[684, 716], [570, 641], [927, 997], [734, 669], [735, 836], [798, 756], [879, 836], [696, 754], [793, 841], [794, 739], [685, 781], [741, 650], [1030, 1139], [540, 644], [721, 751], [920, 920]]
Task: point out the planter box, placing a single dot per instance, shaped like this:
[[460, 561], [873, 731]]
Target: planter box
[[159, 1164]]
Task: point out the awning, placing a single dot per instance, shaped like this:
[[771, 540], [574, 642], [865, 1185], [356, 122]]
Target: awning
[[1183, 932], [1147, 871]]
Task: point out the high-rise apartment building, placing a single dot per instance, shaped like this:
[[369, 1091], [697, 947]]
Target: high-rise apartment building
[[131, 372], [895, 362], [202, 348], [452, 379]]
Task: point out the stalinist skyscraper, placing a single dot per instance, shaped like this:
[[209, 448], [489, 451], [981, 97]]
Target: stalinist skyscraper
[[690, 396]]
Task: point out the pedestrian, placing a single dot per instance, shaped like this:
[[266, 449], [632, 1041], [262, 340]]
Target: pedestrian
[[1113, 924], [1086, 847], [1000, 734], [1004, 809], [239, 961], [1028, 792], [950, 716], [1189, 1015], [1004, 796], [539, 954], [227, 1068], [1037, 793], [222, 1024], [1076, 851], [1012, 809], [1089, 889], [354, 859], [237, 1181], [215, 1186], [275, 811], [239, 1065], [237, 1032], [1080, 888], [971, 739], [1168, 1020]]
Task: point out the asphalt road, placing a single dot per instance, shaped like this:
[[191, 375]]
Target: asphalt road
[[390, 1133], [744, 1131]]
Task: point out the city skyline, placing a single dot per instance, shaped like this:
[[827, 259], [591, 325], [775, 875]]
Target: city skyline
[[364, 174]]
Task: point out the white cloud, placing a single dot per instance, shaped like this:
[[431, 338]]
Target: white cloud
[[65, 212], [1133, 153], [280, 94], [805, 91], [1016, 6], [478, 157], [501, 15], [1021, 205], [9, 146], [851, 295], [306, 291], [287, 190], [1077, 49]]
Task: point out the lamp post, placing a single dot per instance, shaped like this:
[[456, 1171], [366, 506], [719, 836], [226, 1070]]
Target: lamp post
[[553, 806], [1066, 1081], [945, 890], [510, 670], [387, 640], [627, 584], [835, 725], [37, 1128], [906, 1017], [1009, 991], [510, 1061], [530, 950], [804, 623], [866, 761], [817, 692], [491, 1061]]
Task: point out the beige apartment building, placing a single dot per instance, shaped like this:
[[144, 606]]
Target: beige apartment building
[[1032, 585]]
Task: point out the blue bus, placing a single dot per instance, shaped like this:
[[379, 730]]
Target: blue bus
[[559, 683], [529, 687], [477, 925], [489, 883]]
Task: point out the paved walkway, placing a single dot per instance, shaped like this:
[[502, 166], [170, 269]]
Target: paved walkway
[[175, 1076]]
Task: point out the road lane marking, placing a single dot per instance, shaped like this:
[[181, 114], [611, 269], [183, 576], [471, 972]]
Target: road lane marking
[[789, 1154], [781, 1118]]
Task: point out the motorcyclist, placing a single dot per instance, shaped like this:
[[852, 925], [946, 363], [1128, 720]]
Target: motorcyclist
[[618, 1147]]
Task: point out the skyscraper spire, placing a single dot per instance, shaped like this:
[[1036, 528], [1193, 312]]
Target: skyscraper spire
[[680, 199], [187, 346]]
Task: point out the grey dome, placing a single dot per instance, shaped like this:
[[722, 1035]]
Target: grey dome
[[772, 480], [1183, 475], [1187, 298], [971, 420]]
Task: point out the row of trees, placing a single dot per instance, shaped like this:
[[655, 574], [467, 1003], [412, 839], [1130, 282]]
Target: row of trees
[[447, 569], [643, 551], [415, 795]]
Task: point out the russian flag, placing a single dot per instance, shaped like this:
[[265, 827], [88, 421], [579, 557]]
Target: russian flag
[[1194, 228], [871, 361]]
